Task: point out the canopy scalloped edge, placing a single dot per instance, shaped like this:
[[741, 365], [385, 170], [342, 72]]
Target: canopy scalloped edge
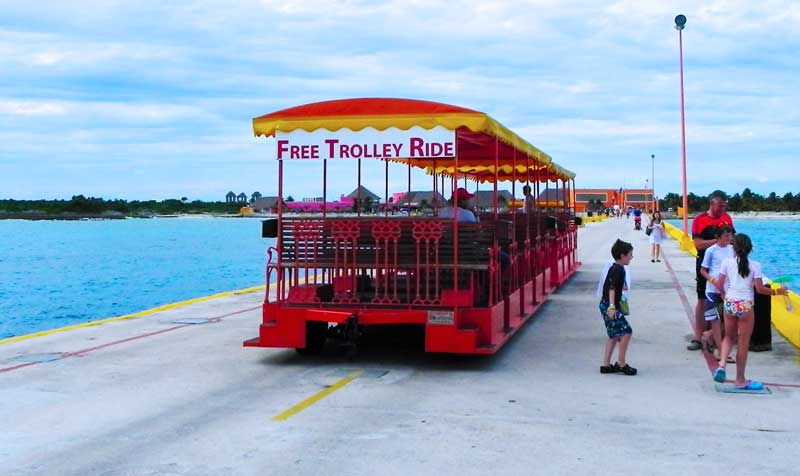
[[505, 173]]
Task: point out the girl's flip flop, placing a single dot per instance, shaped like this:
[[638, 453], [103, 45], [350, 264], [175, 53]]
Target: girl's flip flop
[[719, 375], [751, 385]]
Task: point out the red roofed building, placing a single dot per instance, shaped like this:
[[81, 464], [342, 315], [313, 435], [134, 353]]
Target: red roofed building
[[632, 197]]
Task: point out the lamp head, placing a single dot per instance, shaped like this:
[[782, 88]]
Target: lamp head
[[680, 22]]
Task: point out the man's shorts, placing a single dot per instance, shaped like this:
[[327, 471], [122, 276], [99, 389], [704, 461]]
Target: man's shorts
[[615, 328], [713, 306], [701, 283]]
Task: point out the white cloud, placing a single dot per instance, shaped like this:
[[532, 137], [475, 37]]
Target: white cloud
[[31, 108]]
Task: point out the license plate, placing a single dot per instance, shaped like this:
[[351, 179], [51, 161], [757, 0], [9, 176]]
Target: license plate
[[440, 318]]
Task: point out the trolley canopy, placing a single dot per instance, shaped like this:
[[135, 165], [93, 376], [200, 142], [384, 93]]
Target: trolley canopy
[[423, 133]]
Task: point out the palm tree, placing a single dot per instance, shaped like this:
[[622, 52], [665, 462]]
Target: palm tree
[[368, 204]]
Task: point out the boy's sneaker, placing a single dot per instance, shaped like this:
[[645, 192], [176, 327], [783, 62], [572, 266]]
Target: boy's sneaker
[[609, 369], [627, 370]]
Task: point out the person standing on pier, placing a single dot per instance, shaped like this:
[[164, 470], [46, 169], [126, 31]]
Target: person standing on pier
[[742, 275], [704, 235], [656, 237], [612, 309]]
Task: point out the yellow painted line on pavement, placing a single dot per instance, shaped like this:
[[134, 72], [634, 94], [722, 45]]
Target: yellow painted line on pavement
[[317, 397], [135, 315]]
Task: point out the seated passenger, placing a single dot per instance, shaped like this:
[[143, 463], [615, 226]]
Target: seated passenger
[[461, 200], [530, 202]]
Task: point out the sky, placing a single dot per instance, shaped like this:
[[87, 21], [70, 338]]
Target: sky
[[154, 100]]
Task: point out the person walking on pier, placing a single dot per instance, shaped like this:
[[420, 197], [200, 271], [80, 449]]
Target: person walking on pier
[[742, 274], [613, 312], [704, 235], [656, 237]]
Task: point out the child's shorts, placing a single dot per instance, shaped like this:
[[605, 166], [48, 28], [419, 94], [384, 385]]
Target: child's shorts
[[615, 327], [713, 306], [737, 308]]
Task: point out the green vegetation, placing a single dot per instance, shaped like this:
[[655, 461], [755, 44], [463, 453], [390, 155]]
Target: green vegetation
[[80, 206], [747, 201]]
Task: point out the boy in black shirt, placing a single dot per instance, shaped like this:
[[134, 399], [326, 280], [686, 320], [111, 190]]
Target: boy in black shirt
[[617, 326]]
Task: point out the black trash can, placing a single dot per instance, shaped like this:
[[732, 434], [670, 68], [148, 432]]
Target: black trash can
[[269, 228], [761, 340]]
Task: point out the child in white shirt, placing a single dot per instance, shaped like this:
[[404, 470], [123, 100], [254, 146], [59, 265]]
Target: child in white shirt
[[740, 274], [712, 262]]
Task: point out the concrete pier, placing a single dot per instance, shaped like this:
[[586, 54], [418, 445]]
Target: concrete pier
[[175, 393]]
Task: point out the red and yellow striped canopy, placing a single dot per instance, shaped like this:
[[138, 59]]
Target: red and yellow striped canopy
[[479, 137]]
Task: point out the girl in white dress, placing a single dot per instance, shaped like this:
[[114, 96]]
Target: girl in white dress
[[656, 237]]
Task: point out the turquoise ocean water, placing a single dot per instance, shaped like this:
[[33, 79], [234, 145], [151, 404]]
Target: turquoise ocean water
[[57, 273], [775, 245]]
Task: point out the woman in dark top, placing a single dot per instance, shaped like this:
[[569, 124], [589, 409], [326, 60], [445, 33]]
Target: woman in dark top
[[611, 308]]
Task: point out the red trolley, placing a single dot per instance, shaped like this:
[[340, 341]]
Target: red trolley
[[470, 285]]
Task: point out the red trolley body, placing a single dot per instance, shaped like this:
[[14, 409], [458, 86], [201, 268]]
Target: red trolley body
[[471, 285]]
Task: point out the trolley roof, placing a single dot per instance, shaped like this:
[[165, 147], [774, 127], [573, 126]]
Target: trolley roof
[[477, 131]]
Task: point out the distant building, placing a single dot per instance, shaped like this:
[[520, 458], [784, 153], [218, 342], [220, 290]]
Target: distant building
[[552, 198], [484, 199], [364, 194], [344, 204], [640, 197], [417, 199], [241, 198], [270, 205], [230, 197], [266, 205]]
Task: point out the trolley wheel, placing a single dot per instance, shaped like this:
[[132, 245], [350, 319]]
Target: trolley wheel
[[316, 334]]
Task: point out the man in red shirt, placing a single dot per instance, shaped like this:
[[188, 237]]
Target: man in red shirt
[[704, 230]]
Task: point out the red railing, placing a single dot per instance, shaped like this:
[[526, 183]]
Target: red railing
[[409, 262]]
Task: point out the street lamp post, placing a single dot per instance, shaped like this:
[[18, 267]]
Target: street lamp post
[[680, 24], [653, 182]]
